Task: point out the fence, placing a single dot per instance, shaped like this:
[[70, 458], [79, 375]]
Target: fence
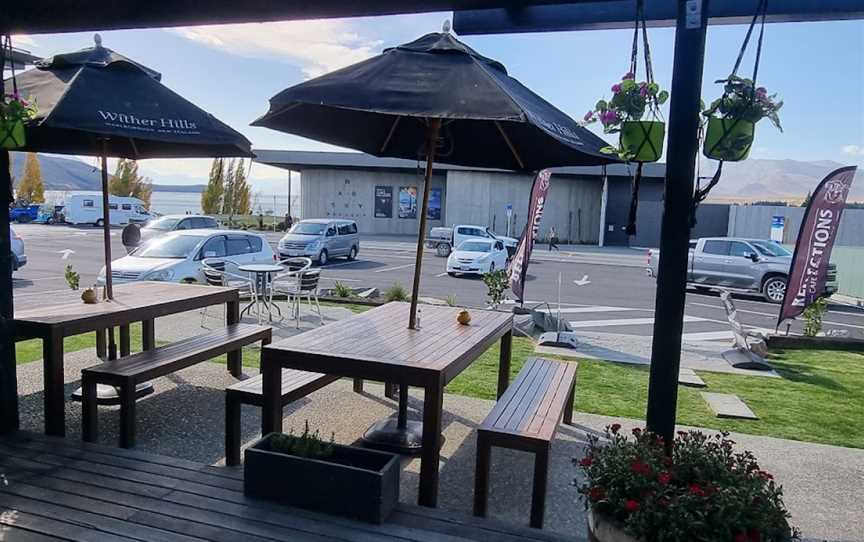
[[755, 221]]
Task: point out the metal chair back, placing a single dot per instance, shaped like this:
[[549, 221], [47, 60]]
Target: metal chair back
[[309, 280], [214, 272]]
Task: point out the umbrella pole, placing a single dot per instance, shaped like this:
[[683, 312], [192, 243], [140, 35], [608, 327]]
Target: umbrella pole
[[106, 223], [431, 138]]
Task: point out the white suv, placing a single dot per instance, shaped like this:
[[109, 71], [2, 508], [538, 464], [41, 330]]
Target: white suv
[[19, 259]]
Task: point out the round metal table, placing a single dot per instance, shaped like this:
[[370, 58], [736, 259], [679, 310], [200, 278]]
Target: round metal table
[[262, 292]]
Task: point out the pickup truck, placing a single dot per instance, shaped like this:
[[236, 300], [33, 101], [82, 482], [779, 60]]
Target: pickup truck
[[746, 265], [444, 239], [23, 214]]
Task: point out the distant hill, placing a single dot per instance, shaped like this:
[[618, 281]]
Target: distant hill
[[185, 188]]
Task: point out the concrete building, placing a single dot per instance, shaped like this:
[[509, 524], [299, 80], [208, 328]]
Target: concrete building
[[382, 196]]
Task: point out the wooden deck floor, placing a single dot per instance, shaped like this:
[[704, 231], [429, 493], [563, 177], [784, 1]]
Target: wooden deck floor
[[61, 489]]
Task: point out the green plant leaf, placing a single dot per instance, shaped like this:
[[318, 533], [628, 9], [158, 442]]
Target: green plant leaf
[[601, 106], [664, 95], [628, 84]]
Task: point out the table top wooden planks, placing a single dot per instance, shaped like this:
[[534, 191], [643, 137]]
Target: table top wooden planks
[[132, 302], [441, 348]]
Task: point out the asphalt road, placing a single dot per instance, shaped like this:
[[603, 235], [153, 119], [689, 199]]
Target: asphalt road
[[614, 296]]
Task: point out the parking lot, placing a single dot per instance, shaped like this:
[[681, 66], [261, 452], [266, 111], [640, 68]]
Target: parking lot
[[603, 290]]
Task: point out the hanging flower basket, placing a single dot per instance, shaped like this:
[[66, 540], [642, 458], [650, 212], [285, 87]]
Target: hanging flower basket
[[643, 139], [12, 134], [728, 139], [14, 112]]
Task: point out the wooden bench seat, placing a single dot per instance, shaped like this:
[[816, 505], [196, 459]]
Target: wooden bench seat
[[526, 418], [295, 385], [125, 373]]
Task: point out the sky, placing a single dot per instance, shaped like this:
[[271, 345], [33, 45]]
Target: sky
[[817, 69]]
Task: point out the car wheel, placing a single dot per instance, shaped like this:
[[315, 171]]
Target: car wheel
[[322, 258], [100, 223], [774, 289], [492, 267], [352, 255], [451, 273], [443, 249]]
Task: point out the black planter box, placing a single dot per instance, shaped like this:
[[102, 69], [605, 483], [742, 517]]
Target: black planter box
[[353, 482]]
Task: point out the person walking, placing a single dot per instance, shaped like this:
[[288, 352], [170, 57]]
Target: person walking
[[553, 240]]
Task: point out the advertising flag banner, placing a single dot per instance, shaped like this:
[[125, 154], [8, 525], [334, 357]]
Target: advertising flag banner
[[815, 240], [519, 264]]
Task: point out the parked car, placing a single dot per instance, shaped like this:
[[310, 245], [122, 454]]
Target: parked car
[[747, 265], [443, 239], [178, 256], [477, 257], [169, 223], [321, 239], [24, 214], [87, 209], [19, 258]]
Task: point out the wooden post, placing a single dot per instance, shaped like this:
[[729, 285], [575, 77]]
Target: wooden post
[[431, 139], [8, 370], [106, 226], [681, 155]]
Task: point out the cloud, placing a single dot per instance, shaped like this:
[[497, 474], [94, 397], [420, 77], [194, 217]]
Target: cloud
[[20, 40], [317, 47], [854, 150]]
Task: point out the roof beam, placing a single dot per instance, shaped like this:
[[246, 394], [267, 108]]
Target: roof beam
[[616, 14]]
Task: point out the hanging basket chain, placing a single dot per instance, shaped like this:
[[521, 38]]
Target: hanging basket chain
[[702, 193]]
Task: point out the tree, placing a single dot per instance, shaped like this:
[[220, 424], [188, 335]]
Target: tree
[[242, 191], [126, 181], [211, 197], [228, 192], [806, 201], [31, 189]]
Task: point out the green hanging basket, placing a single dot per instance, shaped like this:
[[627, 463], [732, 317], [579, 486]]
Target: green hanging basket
[[728, 139], [11, 134], [643, 139]]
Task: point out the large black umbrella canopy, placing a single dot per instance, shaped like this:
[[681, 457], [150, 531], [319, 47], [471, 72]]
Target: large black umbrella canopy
[[98, 102], [434, 89]]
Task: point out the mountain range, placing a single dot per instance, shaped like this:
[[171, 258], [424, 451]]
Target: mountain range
[[754, 179]]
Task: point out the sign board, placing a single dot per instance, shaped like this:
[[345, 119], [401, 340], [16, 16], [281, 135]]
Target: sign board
[[383, 202], [509, 210], [778, 225]]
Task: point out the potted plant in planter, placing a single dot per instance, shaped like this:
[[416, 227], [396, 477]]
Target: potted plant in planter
[[14, 112], [704, 490], [731, 119], [639, 140], [307, 472]]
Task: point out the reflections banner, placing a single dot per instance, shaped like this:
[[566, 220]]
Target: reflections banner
[[815, 241], [519, 264]]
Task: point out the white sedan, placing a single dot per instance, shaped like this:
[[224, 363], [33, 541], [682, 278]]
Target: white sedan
[[177, 256], [477, 256]]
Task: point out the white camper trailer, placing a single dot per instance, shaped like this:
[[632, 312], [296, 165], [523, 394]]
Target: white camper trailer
[[86, 208]]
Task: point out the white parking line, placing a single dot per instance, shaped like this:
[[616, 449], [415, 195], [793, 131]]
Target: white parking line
[[393, 268], [339, 279], [331, 265], [627, 322], [745, 311], [441, 274], [573, 310]]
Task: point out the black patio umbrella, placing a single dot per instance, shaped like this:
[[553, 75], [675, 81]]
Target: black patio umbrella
[[434, 99], [97, 102]]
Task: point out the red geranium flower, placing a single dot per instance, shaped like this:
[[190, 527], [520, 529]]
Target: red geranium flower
[[596, 493], [631, 505], [637, 431], [639, 467], [586, 461], [664, 478], [765, 475], [696, 489], [663, 502], [615, 427], [667, 461], [754, 535]]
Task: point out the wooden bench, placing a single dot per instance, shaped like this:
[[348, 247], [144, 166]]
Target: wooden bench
[[526, 418], [295, 385], [126, 373]]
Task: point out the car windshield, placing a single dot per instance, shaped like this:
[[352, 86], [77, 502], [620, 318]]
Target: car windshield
[[770, 248], [475, 246], [166, 223], [308, 228], [171, 246]]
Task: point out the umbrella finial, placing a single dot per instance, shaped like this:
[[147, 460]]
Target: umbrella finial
[[97, 39], [446, 27]]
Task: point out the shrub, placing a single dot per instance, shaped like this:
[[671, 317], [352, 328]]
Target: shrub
[[451, 300], [341, 290], [308, 445], [813, 317], [704, 490], [497, 283], [397, 292], [72, 277]]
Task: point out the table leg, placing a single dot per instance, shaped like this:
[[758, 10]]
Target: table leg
[[148, 334], [55, 408], [235, 358], [125, 341], [271, 385], [504, 363], [433, 404], [101, 344]]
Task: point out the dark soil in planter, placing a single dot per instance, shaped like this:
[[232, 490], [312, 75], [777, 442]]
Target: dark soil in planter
[[352, 482]]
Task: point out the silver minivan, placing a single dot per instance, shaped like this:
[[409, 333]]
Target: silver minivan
[[321, 239], [19, 258]]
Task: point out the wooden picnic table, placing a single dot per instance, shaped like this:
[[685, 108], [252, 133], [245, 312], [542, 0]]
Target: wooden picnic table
[[377, 345], [66, 315]]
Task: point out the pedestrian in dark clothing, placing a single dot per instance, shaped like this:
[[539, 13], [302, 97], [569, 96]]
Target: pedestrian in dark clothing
[[553, 239]]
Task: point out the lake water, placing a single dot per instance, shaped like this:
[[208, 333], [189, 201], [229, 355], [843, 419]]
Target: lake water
[[178, 203]]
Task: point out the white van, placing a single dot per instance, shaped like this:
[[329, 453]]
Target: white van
[[86, 208]]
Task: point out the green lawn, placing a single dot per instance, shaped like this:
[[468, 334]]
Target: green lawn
[[818, 399]]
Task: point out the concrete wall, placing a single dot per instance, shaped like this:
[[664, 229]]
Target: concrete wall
[[481, 198], [351, 194], [711, 221], [755, 221]]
